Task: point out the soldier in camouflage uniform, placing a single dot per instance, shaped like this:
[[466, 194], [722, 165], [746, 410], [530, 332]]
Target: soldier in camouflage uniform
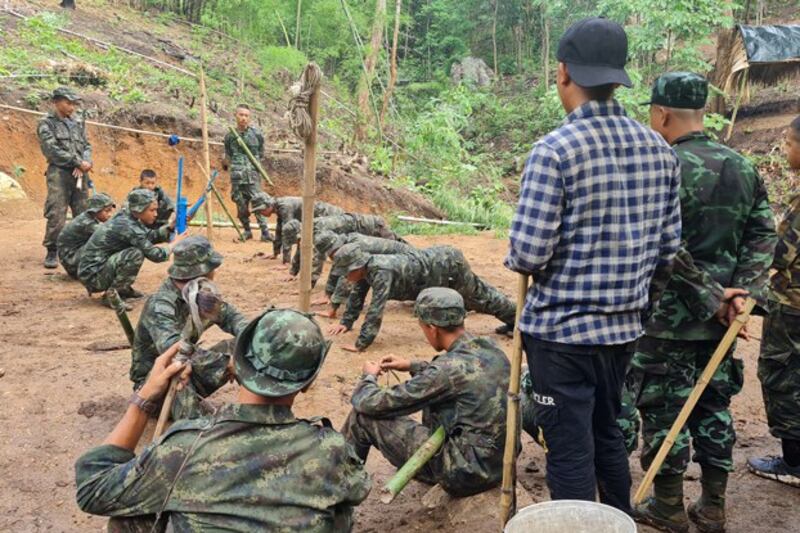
[[166, 207], [729, 237], [286, 209], [62, 137], [403, 277], [245, 178], [463, 390], [77, 232], [779, 362], [251, 466], [164, 316], [115, 252]]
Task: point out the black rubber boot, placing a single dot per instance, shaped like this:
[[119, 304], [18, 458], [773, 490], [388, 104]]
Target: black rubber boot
[[51, 260], [664, 510], [708, 513]]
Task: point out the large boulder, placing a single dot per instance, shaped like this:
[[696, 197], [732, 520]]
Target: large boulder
[[10, 189], [472, 70]]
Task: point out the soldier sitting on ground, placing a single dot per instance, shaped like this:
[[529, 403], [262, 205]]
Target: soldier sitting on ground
[[115, 252], [286, 209], [164, 317], [403, 277], [463, 390], [252, 466], [77, 232], [166, 207]]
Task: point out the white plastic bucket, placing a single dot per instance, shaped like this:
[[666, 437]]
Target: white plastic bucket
[[570, 516]]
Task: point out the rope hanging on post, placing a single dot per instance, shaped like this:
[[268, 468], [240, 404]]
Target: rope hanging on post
[[299, 117]]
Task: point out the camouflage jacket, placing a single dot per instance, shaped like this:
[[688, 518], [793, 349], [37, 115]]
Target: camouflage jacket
[[121, 232], [727, 229], [398, 277], [165, 206], [72, 239], [785, 283], [248, 468], [291, 208], [337, 287], [242, 170], [463, 390], [160, 325], [63, 141]]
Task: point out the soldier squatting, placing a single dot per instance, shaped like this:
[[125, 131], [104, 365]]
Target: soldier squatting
[[626, 307]]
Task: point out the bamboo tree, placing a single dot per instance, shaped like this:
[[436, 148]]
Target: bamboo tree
[[393, 66], [370, 61]]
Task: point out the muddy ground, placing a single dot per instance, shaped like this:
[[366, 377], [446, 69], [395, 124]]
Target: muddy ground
[[60, 399]]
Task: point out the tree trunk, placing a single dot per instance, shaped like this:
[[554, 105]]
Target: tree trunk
[[369, 69], [297, 25], [393, 65], [494, 38]]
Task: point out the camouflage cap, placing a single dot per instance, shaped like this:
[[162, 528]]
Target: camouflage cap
[[98, 202], [66, 92], [193, 257], [262, 201], [680, 90], [139, 199], [279, 352], [440, 306], [349, 257], [326, 241], [291, 231]]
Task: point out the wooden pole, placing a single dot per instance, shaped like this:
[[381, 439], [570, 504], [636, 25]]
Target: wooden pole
[[508, 494], [309, 190], [209, 210], [221, 203], [407, 472], [713, 363]]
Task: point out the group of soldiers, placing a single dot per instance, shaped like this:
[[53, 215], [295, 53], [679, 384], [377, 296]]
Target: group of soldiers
[[252, 465]]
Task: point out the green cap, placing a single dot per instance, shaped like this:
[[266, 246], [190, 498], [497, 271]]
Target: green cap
[[262, 201], [291, 230], [279, 353], [193, 257], [440, 306], [680, 90], [139, 199], [349, 257], [327, 241], [98, 202], [66, 92]]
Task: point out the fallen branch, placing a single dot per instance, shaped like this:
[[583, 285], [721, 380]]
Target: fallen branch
[[441, 222]]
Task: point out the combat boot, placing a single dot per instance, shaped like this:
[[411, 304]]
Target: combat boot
[[773, 467], [708, 513], [51, 260], [505, 329], [106, 301], [129, 293], [664, 510]]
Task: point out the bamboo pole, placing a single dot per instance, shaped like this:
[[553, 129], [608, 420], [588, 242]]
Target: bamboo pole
[[508, 495], [407, 472], [221, 202], [206, 152], [122, 314], [713, 363], [309, 191]]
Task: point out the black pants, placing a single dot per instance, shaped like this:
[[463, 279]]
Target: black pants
[[578, 391]]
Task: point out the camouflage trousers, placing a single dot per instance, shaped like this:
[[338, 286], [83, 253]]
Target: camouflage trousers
[[661, 377], [62, 194], [120, 270], [241, 194], [70, 260], [779, 370]]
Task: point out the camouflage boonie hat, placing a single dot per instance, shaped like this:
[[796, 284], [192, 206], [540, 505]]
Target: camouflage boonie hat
[[139, 199], [680, 90], [262, 201], [349, 257], [66, 92], [326, 242], [440, 306], [279, 353], [98, 202], [291, 231], [193, 257]]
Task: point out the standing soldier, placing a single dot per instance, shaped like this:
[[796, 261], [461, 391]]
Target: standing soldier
[[779, 362], [729, 233], [62, 137], [245, 178]]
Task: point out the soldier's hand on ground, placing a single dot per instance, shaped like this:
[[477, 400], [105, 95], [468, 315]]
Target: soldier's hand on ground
[[321, 301], [289, 279], [164, 368], [371, 368], [337, 329], [281, 267], [351, 348], [331, 313], [392, 362]]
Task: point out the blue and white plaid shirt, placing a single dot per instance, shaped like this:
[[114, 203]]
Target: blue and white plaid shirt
[[598, 213]]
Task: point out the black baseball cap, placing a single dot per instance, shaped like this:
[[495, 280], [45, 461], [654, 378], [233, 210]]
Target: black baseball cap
[[595, 51]]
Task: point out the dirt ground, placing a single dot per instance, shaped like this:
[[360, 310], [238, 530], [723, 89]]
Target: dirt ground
[[61, 399]]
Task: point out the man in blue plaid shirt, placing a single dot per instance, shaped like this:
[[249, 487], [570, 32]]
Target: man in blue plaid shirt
[[597, 226]]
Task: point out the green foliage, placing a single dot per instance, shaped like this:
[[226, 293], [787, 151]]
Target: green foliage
[[276, 58]]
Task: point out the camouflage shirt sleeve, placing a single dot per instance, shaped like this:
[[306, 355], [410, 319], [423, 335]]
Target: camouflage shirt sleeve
[[381, 284], [355, 303], [698, 290], [341, 292], [87, 146], [231, 320], [229, 143], [144, 241], [295, 268], [259, 152], [277, 242], [788, 248], [162, 324], [424, 388], [54, 154]]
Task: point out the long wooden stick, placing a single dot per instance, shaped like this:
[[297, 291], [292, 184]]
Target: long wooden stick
[[206, 152], [407, 472], [222, 203], [713, 363], [508, 494], [309, 192], [166, 407]]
